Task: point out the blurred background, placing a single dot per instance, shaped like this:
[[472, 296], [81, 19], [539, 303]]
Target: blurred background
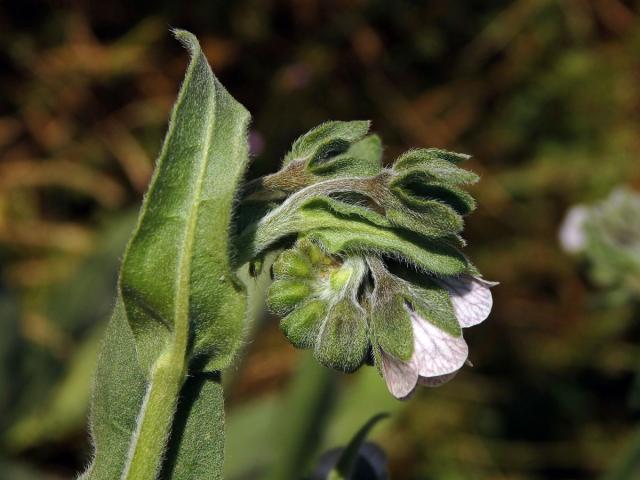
[[544, 93]]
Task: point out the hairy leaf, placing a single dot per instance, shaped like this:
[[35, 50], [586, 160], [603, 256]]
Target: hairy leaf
[[176, 272], [119, 388], [180, 308]]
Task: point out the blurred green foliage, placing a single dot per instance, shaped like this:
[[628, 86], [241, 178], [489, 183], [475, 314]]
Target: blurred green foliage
[[544, 94]]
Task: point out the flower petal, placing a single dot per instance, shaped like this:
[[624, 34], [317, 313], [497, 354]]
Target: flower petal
[[470, 297], [435, 351], [401, 377], [437, 381], [573, 238]]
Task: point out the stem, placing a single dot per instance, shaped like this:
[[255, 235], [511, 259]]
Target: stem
[[148, 444]]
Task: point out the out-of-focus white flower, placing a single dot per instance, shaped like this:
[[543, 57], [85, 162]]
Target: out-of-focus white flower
[[438, 355], [572, 235]]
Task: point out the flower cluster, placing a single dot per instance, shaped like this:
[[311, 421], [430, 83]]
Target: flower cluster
[[375, 273], [607, 235]]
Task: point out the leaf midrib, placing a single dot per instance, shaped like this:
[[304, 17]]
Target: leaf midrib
[[181, 312]]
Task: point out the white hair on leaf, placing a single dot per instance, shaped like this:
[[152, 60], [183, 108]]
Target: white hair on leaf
[[471, 298]]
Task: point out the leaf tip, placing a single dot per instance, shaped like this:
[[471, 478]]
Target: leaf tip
[[187, 39]]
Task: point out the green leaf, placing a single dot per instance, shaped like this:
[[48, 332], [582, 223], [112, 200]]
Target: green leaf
[[419, 190], [180, 308], [347, 460], [332, 150], [176, 278], [119, 388], [196, 445], [356, 237]]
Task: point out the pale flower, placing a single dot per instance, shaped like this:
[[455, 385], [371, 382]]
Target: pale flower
[[438, 355], [572, 236]]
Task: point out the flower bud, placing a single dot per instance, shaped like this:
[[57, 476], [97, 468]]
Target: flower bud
[[285, 295], [320, 305], [376, 272], [342, 341]]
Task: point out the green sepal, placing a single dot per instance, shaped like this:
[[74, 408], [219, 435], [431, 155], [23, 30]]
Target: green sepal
[[421, 156], [435, 168], [285, 295], [326, 140], [302, 325], [433, 303], [415, 190], [392, 327], [362, 159], [292, 263], [358, 238], [312, 251], [434, 220], [343, 340]]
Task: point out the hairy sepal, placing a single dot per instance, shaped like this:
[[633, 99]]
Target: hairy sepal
[[343, 228], [326, 140]]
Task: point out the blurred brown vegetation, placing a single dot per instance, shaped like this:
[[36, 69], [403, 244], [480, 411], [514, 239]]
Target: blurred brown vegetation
[[545, 95]]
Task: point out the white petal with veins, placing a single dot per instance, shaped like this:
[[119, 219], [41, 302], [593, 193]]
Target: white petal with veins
[[401, 377], [436, 381], [437, 356], [435, 352], [470, 297]]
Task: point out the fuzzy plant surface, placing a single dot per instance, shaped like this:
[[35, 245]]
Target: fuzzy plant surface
[[370, 269], [607, 235], [373, 270]]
